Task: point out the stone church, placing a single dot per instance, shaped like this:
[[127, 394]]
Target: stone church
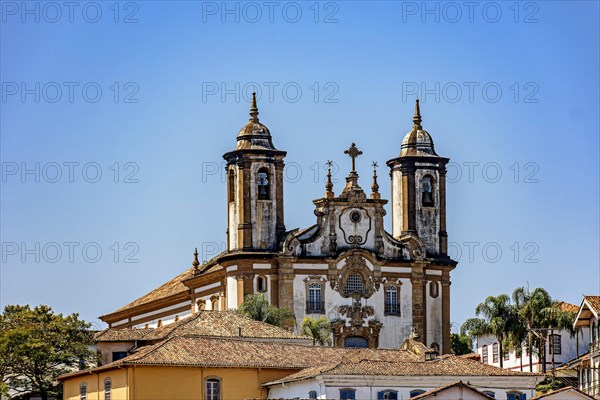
[[377, 287]]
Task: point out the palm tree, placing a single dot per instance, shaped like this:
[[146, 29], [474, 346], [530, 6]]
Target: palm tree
[[497, 313], [540, 314], [319, 329], [257, 307]]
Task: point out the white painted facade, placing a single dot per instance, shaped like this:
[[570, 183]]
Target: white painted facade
[[571, 347], [368, 386]]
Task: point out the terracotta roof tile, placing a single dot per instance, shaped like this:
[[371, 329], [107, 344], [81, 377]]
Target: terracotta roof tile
[[567, 307], [121, 335], [594, 302], [446, 366], [223, 324], [170, 288], [202, 351], [205, 323], [244, 352]]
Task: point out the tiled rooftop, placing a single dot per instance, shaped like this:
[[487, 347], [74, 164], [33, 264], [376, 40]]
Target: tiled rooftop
[[594, 302], [446, 366], [229, 352], [204, 323], [568, 307]]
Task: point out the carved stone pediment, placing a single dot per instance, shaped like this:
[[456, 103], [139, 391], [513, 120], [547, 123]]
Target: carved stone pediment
[[355, 223], [355, 279]]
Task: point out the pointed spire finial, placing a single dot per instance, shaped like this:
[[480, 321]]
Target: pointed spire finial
[[375, 187], [195, 263], [253, 109], [329, 185], [417, 117]]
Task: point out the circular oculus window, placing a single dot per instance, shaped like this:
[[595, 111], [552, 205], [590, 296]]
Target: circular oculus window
[[355, 216]]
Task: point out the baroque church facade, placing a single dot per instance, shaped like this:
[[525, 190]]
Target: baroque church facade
[[377, 287]]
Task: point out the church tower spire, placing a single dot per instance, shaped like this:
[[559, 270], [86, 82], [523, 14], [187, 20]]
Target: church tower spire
[[419, 189], [417, 117], [254, 188], [253, 109]]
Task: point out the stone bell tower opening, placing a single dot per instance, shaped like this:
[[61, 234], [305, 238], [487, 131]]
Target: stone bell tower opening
[[255, 188], [419, 189]]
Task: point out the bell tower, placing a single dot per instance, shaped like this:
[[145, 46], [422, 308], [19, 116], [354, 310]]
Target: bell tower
[[418, 177], [254, 188]]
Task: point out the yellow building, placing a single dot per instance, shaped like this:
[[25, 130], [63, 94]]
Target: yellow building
[[197, 367]]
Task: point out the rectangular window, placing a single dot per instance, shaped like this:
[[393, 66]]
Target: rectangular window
[[392, 305], [107, 389], [506, 354], [347, 394], [495, 353], [484, 354], [213, 389], [117, 355], [516, 396], [555, 344], [314, 304]]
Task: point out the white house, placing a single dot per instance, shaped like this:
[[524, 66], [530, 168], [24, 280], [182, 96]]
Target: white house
[[564, 347], [566, 393], [369, 379], [588, 365]]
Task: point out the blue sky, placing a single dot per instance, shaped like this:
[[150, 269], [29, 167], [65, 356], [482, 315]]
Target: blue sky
[[152, 93]]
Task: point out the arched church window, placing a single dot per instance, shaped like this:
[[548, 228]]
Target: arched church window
[[356, 342], [214, 303], [231, 186], [427, 191], [264, 185], [392, 303], [434, 289], [261, 284], [354, 284]]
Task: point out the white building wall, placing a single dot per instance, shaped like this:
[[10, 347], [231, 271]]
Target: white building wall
[[568, 352], [367, 387], [434, 316], [232, 293], [396, 203], [395, 328]]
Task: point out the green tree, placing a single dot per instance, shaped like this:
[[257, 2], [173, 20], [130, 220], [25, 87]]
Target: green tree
[[496, 313], [318, 329], [257, 307], [541, 315], [461, 343], [37, 345]]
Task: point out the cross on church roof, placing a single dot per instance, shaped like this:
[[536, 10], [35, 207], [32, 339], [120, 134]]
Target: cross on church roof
[[353, 152]]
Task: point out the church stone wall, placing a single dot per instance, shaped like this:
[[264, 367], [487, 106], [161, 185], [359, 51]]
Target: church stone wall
[[434, 316], [397, 204], [428, 218]]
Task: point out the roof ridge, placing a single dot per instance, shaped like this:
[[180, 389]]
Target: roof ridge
[[152, 348]]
